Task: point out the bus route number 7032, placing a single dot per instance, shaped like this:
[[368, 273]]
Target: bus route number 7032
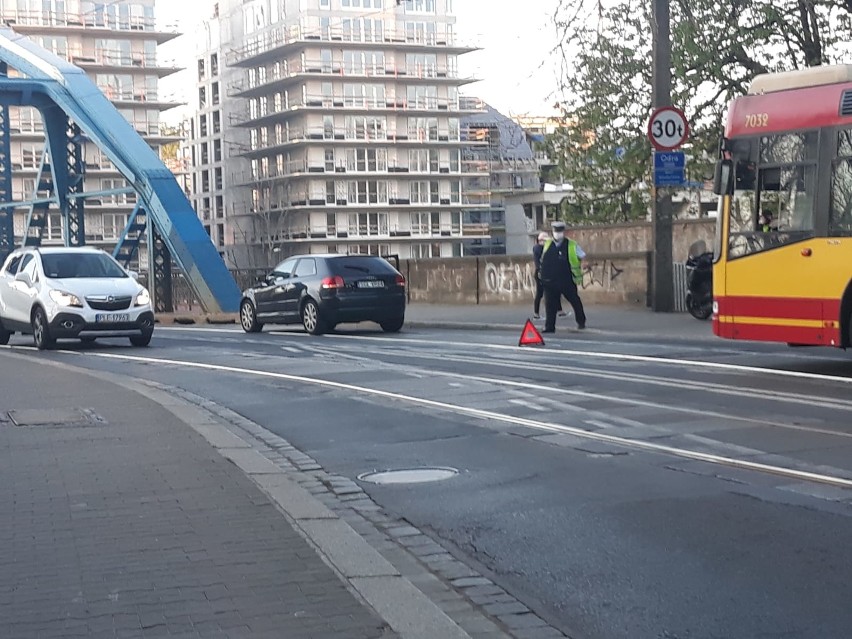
[[756, 120]]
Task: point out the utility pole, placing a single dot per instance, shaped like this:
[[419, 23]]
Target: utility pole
[[662, 270]]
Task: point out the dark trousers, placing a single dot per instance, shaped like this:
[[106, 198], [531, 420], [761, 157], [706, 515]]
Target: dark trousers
[[539, 294], [553, 293]]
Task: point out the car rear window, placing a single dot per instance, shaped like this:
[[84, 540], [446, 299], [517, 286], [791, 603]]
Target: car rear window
[[71, 265], [351, 265]]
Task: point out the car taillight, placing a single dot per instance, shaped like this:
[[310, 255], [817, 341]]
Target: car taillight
[[333, 282], [400, 280]]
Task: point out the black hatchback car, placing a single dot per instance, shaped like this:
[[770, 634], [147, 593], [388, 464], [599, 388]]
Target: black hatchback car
[[322, 291]]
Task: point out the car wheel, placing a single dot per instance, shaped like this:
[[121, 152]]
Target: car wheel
[[41, 332], [4, 336], [392, 326], [141, 340], [248, 318], [311, 319]]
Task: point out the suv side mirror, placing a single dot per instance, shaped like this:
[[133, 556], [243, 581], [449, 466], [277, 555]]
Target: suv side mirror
[[25, 278], [134, 275]]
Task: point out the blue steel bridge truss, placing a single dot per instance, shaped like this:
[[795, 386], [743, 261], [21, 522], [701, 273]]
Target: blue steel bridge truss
[[74, 111]]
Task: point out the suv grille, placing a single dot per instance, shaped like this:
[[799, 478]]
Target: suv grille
[[102, 303]]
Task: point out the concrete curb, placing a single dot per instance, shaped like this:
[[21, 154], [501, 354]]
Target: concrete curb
[[363, 569]]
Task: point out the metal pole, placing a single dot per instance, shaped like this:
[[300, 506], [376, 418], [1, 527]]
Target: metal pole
[[662, 285]]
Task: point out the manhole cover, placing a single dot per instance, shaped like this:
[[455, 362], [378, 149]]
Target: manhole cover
[[54, 417], [409, 475]]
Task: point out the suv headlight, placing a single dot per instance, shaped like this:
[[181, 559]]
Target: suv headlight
[[142, 298], [65, 299]]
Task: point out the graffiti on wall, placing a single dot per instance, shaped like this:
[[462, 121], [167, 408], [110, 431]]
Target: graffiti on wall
[[511, 279], [444, 279], [602, 274]]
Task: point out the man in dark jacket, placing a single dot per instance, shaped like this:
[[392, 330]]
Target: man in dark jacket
[[561, 272]]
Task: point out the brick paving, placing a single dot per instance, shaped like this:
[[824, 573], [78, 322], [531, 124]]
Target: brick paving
[[120, 521]]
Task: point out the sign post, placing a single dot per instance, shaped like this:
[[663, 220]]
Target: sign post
[[662, 268]]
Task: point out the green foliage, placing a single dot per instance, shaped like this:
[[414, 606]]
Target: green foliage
[[716, 51]]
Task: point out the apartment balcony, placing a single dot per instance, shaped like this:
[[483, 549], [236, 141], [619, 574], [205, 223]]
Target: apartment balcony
[[130, 98], [272, 44], [298, 169], [88, 24], [298, 72], [312, 202], [376, 233], [309, 136], [357, 105], [109, 61]]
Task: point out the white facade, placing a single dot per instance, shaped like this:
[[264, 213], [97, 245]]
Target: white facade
[[340, 130], [115, 42]]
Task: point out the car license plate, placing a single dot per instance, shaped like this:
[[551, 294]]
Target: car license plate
[[112, 317], [371, 284]]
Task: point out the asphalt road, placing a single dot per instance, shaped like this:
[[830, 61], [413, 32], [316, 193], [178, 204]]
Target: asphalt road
[[619, 487]]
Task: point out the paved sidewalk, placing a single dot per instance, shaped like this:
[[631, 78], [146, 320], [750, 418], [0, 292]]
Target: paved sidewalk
[[601, 320], [119, 520]]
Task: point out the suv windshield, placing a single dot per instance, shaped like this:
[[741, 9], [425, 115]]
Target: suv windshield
[[84, 265], [350, 265]]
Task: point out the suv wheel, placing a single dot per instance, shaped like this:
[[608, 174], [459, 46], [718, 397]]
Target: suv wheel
[[41, 331], [141, 340], [248, 318], [311, 319]]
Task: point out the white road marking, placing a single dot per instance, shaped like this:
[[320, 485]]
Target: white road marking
[[529, 404], [647, 359], [493, 416], [679, 384]]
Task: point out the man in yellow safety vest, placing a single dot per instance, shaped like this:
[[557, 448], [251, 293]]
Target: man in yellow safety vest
[[561, 274]]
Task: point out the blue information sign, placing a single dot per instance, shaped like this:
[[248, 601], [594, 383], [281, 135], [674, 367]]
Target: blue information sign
[[669, 168]]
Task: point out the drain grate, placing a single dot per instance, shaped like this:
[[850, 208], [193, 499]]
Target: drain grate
[[409, 475], [54, 417]]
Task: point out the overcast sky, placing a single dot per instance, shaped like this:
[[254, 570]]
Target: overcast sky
[[517, 73]]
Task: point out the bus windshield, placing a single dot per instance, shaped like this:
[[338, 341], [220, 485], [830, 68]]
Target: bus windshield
[[775, 183]]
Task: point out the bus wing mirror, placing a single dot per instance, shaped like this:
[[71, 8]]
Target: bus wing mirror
[[723, 180]]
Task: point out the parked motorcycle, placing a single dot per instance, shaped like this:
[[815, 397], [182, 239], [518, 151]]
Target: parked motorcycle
[[699, 281]]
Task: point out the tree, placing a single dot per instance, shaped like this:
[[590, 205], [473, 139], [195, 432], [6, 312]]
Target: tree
[[716, 51]]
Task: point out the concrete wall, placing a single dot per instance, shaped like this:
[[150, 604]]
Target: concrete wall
[[618, 278], [615, 271], [636, 237]]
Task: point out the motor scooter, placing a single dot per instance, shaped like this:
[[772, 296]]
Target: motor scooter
[[699, 281]]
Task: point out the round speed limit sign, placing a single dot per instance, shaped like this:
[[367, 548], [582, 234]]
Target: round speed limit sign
[[667, 128]]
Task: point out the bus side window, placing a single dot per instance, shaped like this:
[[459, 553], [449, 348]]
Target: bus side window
[[745, 176]]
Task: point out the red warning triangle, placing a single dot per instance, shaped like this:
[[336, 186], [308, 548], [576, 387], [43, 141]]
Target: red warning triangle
[[530, 336]]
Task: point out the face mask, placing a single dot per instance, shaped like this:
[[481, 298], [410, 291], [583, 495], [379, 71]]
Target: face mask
[[558, 235]]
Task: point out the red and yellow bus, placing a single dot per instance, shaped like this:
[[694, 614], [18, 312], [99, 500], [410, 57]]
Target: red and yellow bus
[[783, 270]]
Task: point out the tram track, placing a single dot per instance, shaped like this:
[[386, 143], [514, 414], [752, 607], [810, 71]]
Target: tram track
[[841, 479]]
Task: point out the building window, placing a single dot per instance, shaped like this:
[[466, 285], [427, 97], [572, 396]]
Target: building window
[[368, 192], [201, 69], [214, 64]]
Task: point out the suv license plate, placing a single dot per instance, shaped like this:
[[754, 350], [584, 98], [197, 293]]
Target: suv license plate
[[112, 317], [371, 284]]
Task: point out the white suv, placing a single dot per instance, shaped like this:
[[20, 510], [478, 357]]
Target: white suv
[[81, 293]]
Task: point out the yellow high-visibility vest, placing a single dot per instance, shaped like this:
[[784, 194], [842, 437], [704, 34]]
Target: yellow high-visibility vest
[[573, 259]]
